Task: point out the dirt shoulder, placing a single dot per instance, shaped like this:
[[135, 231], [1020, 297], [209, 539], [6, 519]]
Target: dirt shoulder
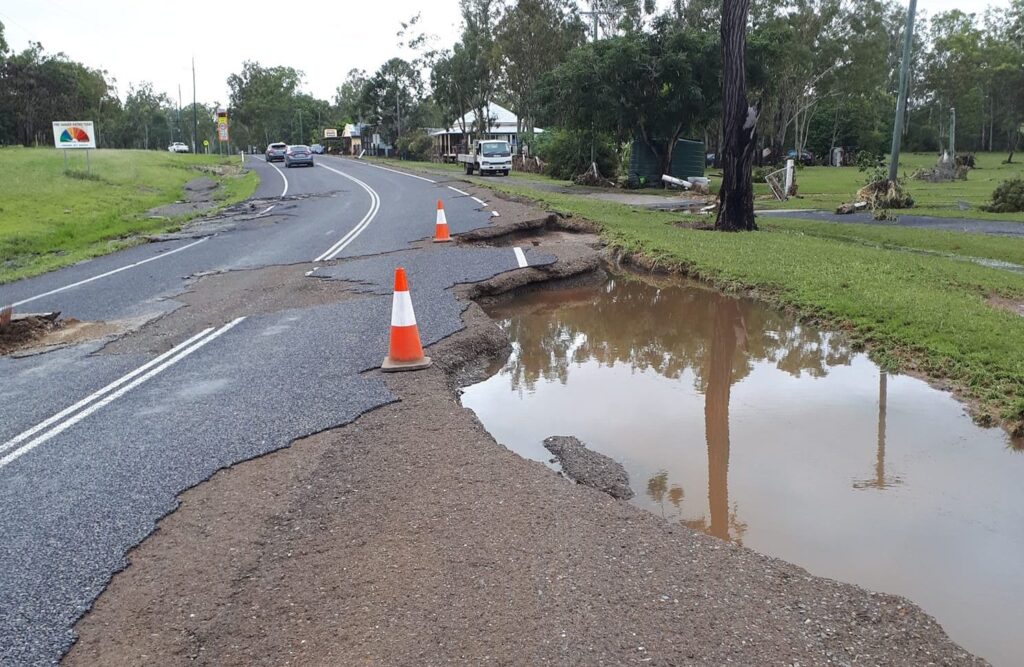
[[411, 537]]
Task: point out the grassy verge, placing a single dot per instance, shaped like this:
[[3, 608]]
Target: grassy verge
[[51, 218], [915, 311], [827, 187]]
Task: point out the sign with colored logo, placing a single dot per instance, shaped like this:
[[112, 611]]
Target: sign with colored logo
[[330, 133], [222, 124], [74, 134], [206, 142]]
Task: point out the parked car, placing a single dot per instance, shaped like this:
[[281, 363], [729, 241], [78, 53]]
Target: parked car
[[178, 147], [317, 149], [276, 152], [806, 157], [298, 155]]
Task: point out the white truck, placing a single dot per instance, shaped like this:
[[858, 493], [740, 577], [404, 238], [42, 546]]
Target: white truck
[[489, 156]]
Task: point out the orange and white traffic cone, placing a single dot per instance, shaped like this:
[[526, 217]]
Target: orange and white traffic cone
[[441, 231], [405, 353]]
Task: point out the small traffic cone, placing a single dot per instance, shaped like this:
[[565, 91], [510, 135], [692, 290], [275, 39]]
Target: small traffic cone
[[405, 352], [441, 231]]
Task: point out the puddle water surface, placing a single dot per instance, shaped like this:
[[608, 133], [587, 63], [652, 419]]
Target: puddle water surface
[[734, 419]]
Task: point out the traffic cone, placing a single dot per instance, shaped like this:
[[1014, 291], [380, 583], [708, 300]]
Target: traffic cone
[[441, 231], [405, 352]]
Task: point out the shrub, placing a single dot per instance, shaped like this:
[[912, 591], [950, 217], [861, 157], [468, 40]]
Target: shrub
[[1008, 197], [416, 146], [567, 154]]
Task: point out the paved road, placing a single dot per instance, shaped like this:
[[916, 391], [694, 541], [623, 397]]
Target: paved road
[[971, 226], [96, 445]]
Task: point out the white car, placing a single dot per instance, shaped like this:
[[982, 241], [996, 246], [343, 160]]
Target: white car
[[178, 147]]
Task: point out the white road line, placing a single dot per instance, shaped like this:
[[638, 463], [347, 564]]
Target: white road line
[[464, 194], [403, 173], [283, 178], [109, 273], [266, 210], [204, 338], [46, 423], [479, 201], [520, 257], [335, 249]]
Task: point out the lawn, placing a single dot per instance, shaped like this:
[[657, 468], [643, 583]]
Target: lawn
[[827, 187], [51, 218], [894, 289]]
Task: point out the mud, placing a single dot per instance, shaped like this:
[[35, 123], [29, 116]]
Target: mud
[[590, 468], [200, 195], [27, 330], [1009, 305]]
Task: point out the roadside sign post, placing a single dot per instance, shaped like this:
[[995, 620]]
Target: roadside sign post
[[222, 130], [75, 134]]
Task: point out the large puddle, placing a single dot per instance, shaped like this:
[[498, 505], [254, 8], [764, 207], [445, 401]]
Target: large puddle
[[734, 419]]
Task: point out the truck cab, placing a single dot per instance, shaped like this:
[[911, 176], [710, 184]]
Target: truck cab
[[489, 156]]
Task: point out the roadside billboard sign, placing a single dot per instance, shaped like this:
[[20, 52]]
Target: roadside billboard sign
[[330, 133], [74, 134]]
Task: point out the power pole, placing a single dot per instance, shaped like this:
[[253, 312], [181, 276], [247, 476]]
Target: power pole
[[195, 113], [901, 101], [952, 134]]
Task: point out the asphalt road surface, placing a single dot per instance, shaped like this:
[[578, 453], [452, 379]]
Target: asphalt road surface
[[968, 225], [98, 439]]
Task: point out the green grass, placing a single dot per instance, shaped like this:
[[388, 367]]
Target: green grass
[[827, 187], [51, 218], [915, 311]]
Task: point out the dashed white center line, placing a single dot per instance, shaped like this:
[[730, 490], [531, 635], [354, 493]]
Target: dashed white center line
[[67, 418], [520, 257], [464, 194], [109, 273]]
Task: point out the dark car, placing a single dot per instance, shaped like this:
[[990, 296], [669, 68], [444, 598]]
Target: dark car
[[317, 149], [298, 155], [806, 157], [276, 152]]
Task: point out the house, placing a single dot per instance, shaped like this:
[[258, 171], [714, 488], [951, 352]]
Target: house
[[504, 124], [352, 139]]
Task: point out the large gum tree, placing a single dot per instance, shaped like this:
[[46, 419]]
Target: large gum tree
[[739, 124]]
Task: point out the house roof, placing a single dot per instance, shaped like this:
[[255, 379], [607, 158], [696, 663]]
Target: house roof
[[502, 121]]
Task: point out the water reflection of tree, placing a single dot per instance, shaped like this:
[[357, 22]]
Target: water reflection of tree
[[669, 329], [664, 329]]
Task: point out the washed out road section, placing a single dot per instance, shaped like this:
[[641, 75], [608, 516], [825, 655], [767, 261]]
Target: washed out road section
[[75, 505]]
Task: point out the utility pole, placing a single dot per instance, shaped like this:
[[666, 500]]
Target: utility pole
[[952, 134], [901, 102], [300, 126], [195, 113]]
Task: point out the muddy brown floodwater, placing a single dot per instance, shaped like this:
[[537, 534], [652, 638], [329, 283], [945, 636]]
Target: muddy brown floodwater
[[734, 419]]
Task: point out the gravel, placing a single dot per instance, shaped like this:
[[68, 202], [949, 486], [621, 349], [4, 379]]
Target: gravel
[[585, 466]]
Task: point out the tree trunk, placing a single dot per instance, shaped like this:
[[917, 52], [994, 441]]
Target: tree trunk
[[736, 196]]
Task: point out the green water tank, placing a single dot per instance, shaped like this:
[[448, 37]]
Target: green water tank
[[687, 160]]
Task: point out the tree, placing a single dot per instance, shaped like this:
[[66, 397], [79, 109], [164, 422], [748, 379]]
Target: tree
[[145, 111], [348, 95], [391, 99], [531, 39], [652, 86], [263, 105], [739, 124]]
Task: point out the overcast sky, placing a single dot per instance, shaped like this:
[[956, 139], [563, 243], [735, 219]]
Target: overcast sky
[[135, 41]]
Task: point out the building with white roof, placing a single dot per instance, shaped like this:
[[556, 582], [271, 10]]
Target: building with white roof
[[504, 125]]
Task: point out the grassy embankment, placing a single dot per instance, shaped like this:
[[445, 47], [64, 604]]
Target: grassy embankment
[[891, 287], [49, 218]]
